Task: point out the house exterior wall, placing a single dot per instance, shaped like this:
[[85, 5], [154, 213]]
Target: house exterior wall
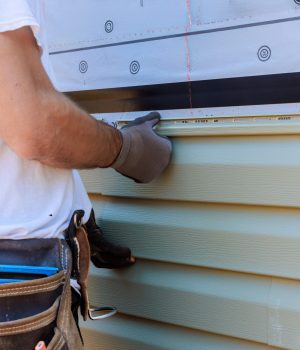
[[216, 240], [217, 235]]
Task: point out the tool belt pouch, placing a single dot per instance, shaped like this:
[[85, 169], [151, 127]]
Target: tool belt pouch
[[39, 308]]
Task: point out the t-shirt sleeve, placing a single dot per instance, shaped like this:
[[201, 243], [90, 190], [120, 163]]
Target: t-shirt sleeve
[[15, 14]]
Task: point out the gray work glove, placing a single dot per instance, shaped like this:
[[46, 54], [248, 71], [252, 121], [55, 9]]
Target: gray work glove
[[144, 154]]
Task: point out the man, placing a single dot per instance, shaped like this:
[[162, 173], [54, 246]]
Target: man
[[43, 136]]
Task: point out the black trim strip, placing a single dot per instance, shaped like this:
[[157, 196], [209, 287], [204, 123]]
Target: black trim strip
[[254, 90], [207, 31]]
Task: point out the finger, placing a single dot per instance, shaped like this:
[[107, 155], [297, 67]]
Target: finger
[[153, 118]]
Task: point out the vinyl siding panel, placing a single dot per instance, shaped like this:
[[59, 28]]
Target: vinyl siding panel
[[217, 246], [123, 332], [255, 239], [234, 304], [256, 170]]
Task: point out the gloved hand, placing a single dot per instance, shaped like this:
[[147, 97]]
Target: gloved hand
[[144, 154], [104, 253]]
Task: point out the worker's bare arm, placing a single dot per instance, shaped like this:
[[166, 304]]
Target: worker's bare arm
[[38, 122]]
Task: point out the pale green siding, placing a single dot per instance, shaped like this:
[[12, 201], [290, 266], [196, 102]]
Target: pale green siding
[[124, 332], [258, 170], [217, 241]]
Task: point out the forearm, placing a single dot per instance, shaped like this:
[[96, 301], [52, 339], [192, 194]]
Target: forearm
[[70, 138], [38, 122]]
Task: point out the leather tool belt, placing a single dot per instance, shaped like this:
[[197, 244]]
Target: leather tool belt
[[39, 309]]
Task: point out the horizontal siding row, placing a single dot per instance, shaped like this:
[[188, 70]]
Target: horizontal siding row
[[255, 239], [123, 332], [259, 128], [256, 170], [216, 240], [257, 308]]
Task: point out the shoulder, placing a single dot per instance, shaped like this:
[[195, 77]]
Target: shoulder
[[17, 14]]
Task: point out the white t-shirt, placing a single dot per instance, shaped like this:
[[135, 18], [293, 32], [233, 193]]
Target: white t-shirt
[[36, 201]]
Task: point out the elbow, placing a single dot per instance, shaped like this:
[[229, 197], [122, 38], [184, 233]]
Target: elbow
[[29, 151], [28, 148], [31, 130], [31, 141]]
